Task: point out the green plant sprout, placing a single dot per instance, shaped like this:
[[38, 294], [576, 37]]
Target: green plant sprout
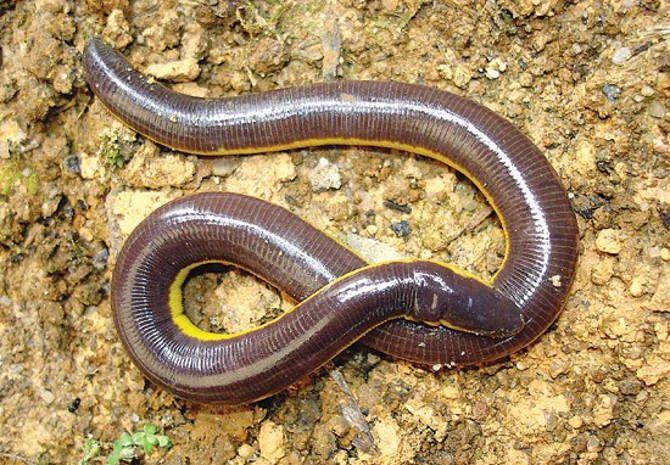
[[111, 148], [91, 450], [124, 448]]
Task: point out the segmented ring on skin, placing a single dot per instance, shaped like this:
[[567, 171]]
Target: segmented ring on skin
[[421, 311]]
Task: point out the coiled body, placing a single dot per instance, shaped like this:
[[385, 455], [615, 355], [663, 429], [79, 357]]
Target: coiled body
[[478, 321]]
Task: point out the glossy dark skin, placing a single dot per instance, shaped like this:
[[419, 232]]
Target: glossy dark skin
[[377, 303]]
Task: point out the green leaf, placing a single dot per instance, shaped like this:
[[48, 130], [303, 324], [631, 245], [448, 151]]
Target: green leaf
[[91, 450], [128, 453], [164, 441], [148, 446], [150, 429], [138, 438], [114, 458], [124, 440]]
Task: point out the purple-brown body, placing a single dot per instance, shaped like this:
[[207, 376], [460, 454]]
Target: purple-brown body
[[494, 320]]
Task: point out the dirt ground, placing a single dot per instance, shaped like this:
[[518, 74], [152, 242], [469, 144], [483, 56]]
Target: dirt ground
[[588, 81]]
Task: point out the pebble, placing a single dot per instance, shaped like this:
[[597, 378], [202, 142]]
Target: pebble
[[492, 73], [636, 287], [371, 250], [656, 109], [608, 241], [271, 441], [602, 271], [401, 228], [655, 369], [284, 169], [148, 169], [10, 133], [89, 165], [245, 451], [647, 90], [71, 164], [100, 258], [47, 396], [117, 30], [191, 88], [325, 176], [603, 413], [585, 158], [494, 68], [531, 414], [387, 432], [620, 55], [178, 70], [576, 422], [612, 92], [224, 166]]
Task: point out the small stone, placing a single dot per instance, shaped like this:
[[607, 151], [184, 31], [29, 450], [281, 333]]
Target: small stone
[[148, 169], [636, 287], [492, 73], [387, 432], [224, 166], [533, 413], [656, 109], [576, 422], [89, 166], [620, 55], [325, 176], [462, 76], [629, 387], [603, 270], [593, 444], [608, 241], [193, 41], [426, 414], [271, 441], [100, 258], [371, 250], [284, 169], [178, 70], [117, 30], [653, 370], [191, 88], [556, 280], [451, 392], [47, 396], [401, 228], [10, 134], [603, 413], [494, 68], [245, 451], [647, 90], [71, 164], [585, 158], [612, 92]]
